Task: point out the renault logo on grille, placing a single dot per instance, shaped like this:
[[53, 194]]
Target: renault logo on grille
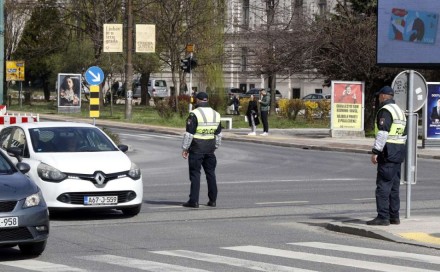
[[100, 178]]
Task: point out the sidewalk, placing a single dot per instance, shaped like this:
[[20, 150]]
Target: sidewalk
[[416, 230]]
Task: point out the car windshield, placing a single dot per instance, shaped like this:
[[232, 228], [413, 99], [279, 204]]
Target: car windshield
[[70, 139]]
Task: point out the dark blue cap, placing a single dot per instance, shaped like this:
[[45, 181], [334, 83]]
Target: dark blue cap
[[202, 96], [386, 90]]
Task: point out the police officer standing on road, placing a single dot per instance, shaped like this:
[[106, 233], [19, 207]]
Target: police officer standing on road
[[388, 153], [201, 139]]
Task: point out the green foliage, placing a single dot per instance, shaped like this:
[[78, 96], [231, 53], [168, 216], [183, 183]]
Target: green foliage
[[163, 108], [325, 106], [215, 101], [150, 115], [42, 36], [184, 101]]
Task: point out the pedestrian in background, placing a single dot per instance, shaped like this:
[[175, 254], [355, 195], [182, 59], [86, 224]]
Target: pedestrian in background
[[388, 153], [252, 115], [201, 139], [236, 104], [264, 109]]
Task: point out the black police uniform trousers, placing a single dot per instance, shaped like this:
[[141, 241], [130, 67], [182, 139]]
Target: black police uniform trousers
[[196, 161], [387, 190]]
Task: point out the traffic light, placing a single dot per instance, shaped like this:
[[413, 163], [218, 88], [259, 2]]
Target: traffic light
[[188, 64], [193, 62], [185, 65]]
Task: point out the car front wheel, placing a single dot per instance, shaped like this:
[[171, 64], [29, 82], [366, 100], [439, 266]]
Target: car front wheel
[[33, 249], [131, 211]]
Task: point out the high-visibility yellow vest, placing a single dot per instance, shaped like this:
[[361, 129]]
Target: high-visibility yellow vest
[[397, 129], [208, 121]]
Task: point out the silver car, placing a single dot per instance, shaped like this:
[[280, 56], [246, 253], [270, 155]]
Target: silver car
[[24, 217], [317, 97]]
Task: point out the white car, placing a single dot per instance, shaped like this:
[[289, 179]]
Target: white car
[[77, 166]]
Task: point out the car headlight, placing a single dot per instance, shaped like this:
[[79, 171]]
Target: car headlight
[[134, 172], [49, 173], [33, 200]]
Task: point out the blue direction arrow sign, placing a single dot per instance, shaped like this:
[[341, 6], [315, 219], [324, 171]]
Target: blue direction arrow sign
[[94, 75]]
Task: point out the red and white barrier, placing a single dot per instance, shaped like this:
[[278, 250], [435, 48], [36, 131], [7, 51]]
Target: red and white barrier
[[6, 119], [2, 109]]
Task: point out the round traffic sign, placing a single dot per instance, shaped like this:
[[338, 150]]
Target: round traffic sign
[[94, 75], [400, 87]]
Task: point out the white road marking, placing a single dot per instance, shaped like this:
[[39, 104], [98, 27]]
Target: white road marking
[[166, 136], [140, 264], [281, 202], [258, 266], [362, 199], [373, 252], [166, 207], [376, 266], [35, 265]]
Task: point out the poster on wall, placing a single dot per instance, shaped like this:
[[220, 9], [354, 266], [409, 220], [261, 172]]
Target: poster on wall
[[69, 90], [432, 111], [347, 105]]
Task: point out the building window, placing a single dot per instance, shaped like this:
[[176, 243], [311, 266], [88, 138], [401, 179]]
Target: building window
[[298, 8], [242, 87], [322, 6], [296, 93], [318, 90], [245, 14], [244, 60]]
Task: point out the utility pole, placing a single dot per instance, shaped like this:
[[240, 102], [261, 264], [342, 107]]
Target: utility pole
[[128, 64], [2, 50]]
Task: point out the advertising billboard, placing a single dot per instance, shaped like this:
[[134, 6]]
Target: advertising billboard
[[347, 105], [432, 111], [69, 90], [408, 33]]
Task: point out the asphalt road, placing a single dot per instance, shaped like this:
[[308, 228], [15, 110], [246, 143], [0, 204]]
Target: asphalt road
[[272, 208]]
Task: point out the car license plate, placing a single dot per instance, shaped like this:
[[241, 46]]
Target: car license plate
[[100, 200], [8, 222]]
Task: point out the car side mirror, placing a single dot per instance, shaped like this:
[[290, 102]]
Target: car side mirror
[[123, 147], [23, 167], [15, 152]]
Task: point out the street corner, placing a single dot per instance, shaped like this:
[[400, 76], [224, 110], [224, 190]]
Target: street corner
[[432, 239], [421, 231], [359, 227]]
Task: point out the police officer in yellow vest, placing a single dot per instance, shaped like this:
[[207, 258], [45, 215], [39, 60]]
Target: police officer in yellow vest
[[388, 153], [201, 139]]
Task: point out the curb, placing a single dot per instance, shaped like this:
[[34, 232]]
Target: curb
[[344, 227]]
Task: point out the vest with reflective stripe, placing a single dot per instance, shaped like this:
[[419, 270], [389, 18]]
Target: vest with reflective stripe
[[207, 123], [397, 129]]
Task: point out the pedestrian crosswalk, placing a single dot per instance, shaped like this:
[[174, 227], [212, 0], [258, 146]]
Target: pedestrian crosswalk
[[298, 257]]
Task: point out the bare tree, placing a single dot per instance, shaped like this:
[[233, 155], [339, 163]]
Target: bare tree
[[16, 15], [182, 22], [275, 40], [343, 47]]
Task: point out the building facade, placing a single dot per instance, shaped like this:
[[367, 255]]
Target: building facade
[[246, 16], [242, 18]]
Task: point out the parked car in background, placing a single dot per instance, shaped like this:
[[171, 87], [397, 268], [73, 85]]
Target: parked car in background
[[76, 166], [256, 93], [158, 88], [316, 97], [235, 91], [24, 218]]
